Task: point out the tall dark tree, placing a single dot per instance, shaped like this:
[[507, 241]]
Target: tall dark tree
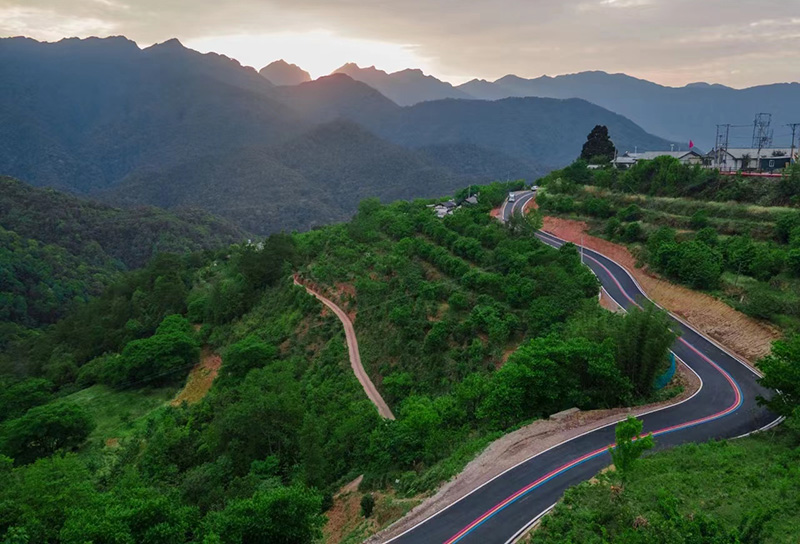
[[643, 342], [598, 146]]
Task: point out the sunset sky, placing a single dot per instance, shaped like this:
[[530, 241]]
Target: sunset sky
[[670, 42]]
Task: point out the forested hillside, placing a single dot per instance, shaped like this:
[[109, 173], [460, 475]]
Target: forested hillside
[[169, 126], [57, 249], [438, 305]]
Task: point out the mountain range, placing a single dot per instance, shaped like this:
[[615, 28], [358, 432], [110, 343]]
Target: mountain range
[[675, 113], [168, 126]]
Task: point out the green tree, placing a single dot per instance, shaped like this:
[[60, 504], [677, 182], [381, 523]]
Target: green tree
[[630, 445], [289, 515], [367, 504], [263, 264], [643, 341], [598, 146], [156, 359], [131, 513], [37, 498], [17, 397], [781, 370], [245, 355], [44, 430], [525, 224]]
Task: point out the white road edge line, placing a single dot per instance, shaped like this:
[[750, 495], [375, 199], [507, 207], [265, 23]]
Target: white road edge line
[[588, 431], [519, 534], [769, 425]]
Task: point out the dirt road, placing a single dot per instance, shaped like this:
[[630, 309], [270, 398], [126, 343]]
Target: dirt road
[[355, 356]]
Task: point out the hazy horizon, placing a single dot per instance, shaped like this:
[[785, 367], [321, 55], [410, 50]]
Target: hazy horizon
[[671, 43], [316, 74]]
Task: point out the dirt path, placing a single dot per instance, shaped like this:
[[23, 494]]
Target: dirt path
[[745, 336], [355, 356], [522, 444]]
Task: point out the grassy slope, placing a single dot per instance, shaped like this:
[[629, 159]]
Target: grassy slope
[[116, 413], [723, 480]]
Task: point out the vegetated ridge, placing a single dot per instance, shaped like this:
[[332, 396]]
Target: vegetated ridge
[[171, 127]]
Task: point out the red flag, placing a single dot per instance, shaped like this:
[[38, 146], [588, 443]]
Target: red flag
[[691, 144]]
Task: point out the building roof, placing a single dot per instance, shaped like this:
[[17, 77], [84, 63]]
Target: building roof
[[650, 155], [752, 152]]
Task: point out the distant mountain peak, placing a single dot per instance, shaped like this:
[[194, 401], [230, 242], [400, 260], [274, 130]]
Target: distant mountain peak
[[172, 43], [704, 85], [282, 73], [351, 68], [404, 87]]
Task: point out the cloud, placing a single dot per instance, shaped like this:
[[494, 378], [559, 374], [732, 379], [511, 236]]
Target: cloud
[[672, 42]]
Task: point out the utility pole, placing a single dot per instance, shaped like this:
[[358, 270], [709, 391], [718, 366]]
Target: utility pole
[[792, 126], [723, 134]]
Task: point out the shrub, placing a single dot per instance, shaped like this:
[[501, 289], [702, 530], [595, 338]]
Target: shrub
[[708, 236], [367, 505], [699, 220], [632, 232], [612, 227], [793, 261]]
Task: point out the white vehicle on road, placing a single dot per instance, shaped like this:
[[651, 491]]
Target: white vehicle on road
[[512, 197]]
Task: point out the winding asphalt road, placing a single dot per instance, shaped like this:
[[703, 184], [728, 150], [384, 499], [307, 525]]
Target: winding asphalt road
[[724, 407]]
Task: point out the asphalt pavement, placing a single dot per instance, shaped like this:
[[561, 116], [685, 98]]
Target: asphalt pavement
[[724, 407]]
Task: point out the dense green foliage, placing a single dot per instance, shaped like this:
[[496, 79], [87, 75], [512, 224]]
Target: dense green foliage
[[742, 492], [748, 255], [44, 430], [643, 342], [781, 370], [56, 250], [666, 176], [438, 305]]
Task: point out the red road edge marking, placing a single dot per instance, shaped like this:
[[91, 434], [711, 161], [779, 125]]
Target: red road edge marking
[[733, 407]]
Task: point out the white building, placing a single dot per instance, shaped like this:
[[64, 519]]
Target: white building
[[750, 158], [690, 157]]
